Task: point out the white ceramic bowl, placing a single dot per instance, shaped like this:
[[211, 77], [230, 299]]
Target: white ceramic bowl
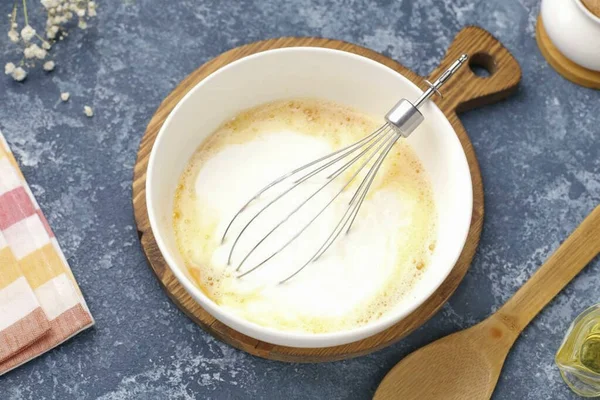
[[316, 73], [574, 30]]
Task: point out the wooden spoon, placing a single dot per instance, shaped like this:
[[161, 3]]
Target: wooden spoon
[[467, 364]]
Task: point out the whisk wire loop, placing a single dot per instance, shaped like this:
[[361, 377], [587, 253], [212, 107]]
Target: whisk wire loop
[[330, 179], [351, 211]]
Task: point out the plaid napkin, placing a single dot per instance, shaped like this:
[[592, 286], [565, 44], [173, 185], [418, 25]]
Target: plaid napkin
[[41, 305]]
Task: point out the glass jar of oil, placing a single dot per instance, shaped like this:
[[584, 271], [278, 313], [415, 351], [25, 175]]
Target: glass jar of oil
[[579, 355]]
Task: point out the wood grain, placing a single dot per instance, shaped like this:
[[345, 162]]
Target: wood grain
[[574, 254], [467, 364], [472, 91], [567, 68], [593, 6]]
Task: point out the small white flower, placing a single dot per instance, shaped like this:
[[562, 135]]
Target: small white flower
[[27, 33], [81, 13], [49, 4], [46, 46], [65, 96], [19, 74], [40, 53], [49, 66], [69, 15], [92, 8], [52, 31], [34, 51], [13, 36], [9, 68], [14, 25], [87, 110], [30, 51], [82, 24]]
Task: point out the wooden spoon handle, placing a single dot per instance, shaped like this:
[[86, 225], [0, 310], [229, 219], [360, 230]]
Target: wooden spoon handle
[[570, 258]]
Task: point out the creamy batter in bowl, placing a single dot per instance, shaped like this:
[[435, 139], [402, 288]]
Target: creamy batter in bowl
[[330, 75]]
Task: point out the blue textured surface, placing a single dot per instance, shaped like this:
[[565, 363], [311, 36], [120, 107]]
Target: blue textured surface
[[539, 154]]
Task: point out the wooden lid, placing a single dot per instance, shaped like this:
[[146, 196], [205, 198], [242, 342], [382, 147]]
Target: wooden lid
[[593, 6]]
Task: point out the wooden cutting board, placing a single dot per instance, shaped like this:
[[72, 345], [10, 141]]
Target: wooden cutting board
[[468, 91]]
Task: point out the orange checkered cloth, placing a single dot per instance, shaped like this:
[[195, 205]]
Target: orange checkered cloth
[[41, 305]]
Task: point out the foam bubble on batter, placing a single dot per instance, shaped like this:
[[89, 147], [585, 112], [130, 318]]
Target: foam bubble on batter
[[361, 277]]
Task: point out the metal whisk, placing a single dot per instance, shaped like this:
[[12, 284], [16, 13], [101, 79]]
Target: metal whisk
[[401, 121]]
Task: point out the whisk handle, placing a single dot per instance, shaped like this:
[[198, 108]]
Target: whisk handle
[[468, 89], [405, 116], [435, 86]]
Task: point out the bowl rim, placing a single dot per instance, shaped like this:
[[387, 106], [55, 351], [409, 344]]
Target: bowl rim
[[588, 12], [272, 335]]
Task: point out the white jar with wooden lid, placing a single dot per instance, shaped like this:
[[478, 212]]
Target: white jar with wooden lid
[[573, 26]]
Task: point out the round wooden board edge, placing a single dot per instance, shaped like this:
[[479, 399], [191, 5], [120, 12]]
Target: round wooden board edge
[[561, 64], [262, 349]]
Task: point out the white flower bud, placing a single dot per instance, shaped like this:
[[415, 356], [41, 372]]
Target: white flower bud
[[48, 4], [30, 51], [9, 68], [27, 33], [65, 96], [49, 66], [13, 36], [19, 74], [87, 110], [40, 53], [46, 46], [52, 31]]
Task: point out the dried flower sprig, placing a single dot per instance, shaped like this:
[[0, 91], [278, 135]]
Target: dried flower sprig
[[33, 45]]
